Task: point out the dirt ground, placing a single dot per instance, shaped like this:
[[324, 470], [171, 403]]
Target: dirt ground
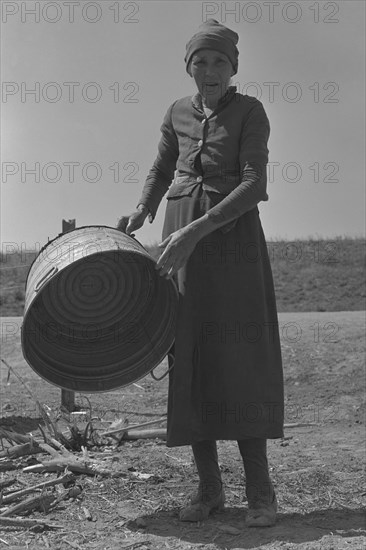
[[317, 469]]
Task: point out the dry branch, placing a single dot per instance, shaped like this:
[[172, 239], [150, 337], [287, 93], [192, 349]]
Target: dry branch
[[28, 523], [51, 451], [60, 460], [65, 460], [14, 437], [7, 482], [76, 466], [61, 497], [146, 434], [34, 446], [161, 432], [17, 494], [6, 465], [127, 427], [41, 502], [20, 450], [56, 436], [58, 445]]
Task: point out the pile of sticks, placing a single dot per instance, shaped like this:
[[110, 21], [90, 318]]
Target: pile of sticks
[[52, 456], [15, 503]]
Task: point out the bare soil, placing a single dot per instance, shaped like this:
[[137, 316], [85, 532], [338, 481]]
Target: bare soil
[[317, 469]]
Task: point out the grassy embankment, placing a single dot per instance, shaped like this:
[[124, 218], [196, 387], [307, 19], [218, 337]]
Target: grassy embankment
[[309, 275]]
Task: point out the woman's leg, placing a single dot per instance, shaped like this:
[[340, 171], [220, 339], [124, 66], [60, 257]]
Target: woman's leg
[[260, 493], [210, 495], [206, 459]]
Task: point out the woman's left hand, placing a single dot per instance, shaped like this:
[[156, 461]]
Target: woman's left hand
[[178, 248]]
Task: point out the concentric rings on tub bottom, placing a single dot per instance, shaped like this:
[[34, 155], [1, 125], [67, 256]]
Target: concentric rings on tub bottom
[[98, 316]]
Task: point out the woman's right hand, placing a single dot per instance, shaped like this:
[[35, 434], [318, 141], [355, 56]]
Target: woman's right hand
[[132, 222]]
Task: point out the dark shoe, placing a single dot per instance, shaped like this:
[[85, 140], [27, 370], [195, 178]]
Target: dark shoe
[[200, 508], [262, 515]]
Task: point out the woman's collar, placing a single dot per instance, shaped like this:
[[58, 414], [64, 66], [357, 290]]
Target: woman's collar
[[197, 98]]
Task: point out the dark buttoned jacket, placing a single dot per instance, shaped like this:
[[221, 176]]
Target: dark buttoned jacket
[[209, 151]]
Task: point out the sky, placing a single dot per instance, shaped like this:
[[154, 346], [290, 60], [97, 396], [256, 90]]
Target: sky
[[104, 73]]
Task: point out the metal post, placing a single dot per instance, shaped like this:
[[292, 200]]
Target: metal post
[[68, 396]]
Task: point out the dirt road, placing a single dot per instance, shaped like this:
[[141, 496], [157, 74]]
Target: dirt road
[[317, 469]]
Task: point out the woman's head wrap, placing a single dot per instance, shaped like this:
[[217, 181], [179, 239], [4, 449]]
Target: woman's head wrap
[[213, 35]]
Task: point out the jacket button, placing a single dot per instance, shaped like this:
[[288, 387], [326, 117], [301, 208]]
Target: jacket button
[[199, 179], [200, 143]]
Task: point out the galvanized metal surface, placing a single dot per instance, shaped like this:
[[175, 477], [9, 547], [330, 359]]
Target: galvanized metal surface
[[97, 316]]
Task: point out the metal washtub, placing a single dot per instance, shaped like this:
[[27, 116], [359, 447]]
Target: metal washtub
[[98, 316]]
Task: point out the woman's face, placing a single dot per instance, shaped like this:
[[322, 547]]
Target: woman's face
[[211, 71]]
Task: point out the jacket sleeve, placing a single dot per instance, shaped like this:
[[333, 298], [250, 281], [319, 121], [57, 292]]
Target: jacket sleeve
[[253, 158], [243, 198], [254, 136], [162, 171]]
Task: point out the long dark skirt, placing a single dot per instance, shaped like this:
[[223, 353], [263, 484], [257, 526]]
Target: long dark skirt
[[227, 380]]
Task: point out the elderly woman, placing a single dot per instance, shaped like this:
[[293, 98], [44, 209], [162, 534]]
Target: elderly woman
[[227, 381]]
